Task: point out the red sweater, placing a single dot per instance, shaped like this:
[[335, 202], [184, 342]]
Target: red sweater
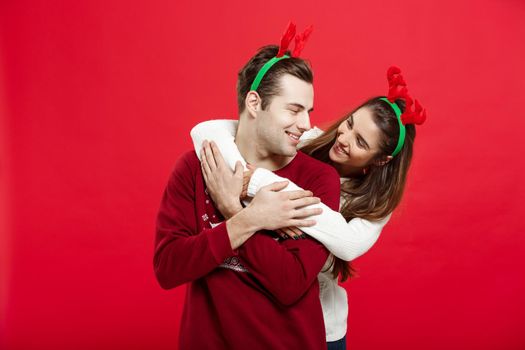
[[264, 295]]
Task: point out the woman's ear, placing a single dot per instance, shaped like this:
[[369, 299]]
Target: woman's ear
[[383, 161], [252, 103]]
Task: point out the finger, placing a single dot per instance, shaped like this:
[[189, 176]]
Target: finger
[[306, 201], [239, 169], [275, 186], [297, 231], [205, 166], [217, 155], [306, 212], [246, 177], [290, 232], [302, 222], [204, 173], [205, 176], [209, 156], [250, 166], [299, 194], [244, 192], [281, 233]]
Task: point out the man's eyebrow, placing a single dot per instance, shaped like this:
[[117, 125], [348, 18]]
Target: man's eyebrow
[[300, 106]]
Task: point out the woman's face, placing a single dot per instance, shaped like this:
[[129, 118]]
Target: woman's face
[[357, 143]]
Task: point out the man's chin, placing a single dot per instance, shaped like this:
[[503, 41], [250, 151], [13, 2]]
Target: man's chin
[[292, 152]]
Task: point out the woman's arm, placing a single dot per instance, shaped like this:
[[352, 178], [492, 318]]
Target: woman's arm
[[222, 132], [346, 240]]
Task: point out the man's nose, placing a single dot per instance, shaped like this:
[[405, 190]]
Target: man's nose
[[303, 122]]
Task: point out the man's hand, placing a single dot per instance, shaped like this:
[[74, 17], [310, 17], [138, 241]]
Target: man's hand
[[224, 185], [271, 209]]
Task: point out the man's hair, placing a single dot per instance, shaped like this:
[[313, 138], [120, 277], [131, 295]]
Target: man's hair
[[269, 85]]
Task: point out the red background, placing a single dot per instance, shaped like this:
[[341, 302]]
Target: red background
[[96, 102]]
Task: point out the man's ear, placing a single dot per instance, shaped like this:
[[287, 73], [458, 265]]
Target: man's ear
[[252, 103], [383, 161]]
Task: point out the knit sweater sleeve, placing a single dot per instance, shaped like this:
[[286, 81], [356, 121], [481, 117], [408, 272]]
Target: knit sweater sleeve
[[346, 240], [222, 132], [287, 269], [182, 253]]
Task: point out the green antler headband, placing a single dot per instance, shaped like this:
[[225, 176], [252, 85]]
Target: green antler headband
[[287, 37], [398, 90]]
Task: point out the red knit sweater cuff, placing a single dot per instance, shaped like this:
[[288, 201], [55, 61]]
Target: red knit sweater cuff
[[219, 243]]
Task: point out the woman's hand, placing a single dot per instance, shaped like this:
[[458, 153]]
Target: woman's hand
[[290, 232], [272, 210], [224, 185], [246, 177]]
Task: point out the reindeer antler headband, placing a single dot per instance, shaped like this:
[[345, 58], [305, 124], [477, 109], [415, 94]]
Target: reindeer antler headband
[[289, 34], [397, 89]]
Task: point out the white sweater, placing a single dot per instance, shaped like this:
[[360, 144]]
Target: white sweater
[[345, 240]]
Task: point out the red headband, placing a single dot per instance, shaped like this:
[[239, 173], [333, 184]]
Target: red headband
[[300, 40], [397, 88]]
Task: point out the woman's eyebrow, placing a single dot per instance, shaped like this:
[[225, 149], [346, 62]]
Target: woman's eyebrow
[[359, 135]]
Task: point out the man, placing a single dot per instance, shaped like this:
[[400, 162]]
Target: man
[[246, 288]]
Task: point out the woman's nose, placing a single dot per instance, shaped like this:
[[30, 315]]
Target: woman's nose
[[343, 140]]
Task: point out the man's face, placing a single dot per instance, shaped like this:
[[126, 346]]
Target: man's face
[[286, 117]]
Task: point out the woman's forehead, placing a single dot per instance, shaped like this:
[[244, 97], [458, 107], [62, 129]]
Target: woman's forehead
[[363, 123]]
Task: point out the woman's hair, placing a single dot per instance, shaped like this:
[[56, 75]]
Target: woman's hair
[[270, 84], [375, 195]]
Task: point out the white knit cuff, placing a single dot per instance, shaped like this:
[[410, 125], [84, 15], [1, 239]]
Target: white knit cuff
[[258, 180]]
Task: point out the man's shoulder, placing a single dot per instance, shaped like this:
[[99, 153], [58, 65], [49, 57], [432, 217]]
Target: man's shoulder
[[190, 157], [188, 161]]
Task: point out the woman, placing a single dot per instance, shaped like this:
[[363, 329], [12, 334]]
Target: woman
[[371, 148]]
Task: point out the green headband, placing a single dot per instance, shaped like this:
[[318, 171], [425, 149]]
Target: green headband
[[263, 70], [402, 130]]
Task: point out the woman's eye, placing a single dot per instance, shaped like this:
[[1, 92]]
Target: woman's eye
[[359, 144], [349, 124]]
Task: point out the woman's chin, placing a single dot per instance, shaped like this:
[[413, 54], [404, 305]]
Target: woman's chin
[[332, 154]]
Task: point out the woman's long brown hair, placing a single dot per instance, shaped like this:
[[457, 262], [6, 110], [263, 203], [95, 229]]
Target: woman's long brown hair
[[375, 195]]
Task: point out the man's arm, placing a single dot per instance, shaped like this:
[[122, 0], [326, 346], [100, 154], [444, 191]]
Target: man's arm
[[346, 240], [288, 268], [181, 253]]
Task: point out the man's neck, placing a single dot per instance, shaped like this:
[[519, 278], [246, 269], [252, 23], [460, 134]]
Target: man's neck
[[254, 153]]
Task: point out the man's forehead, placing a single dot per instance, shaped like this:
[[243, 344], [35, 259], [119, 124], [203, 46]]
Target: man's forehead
[[296, 91]]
